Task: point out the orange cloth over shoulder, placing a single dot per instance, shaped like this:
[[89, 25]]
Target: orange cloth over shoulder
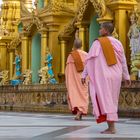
[[108, 50], [78, 61]]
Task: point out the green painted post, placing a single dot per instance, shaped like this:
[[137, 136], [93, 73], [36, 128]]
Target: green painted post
[[40, 4], [93, 30], [36, 57]]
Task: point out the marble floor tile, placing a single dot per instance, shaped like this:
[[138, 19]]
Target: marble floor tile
[[43, 126]]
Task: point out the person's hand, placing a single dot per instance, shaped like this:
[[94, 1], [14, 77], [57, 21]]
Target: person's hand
[[83, 80], [127, 83]]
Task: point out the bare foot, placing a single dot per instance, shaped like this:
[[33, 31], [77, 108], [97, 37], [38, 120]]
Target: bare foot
[[78, 116], [108, 131]]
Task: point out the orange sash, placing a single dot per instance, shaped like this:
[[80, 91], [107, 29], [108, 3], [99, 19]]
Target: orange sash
[[108, 50], [78, 61]]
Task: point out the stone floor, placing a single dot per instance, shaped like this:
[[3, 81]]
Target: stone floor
[[31, 126]]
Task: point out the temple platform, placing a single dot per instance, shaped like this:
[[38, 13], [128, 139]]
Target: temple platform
[[48, 126], [53, 98]]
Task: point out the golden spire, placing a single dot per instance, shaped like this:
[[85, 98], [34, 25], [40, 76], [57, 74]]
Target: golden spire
[[28, 4]]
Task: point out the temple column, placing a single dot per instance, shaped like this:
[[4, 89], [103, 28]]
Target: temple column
[[121, 18], [121, 9], [63, 56], [61, 74], [3, 54], [11, 64], [54, 46], [24, 51], [44, 44], [82, 34], [122, 30], [9, 17]]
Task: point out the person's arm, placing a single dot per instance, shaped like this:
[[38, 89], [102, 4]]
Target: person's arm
[[84, 75]]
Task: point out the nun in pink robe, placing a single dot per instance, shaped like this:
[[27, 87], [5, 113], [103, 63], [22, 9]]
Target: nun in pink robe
[[105, 81], [77, 93]]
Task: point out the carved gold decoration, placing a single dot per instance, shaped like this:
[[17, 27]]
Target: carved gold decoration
[[4, 77], [129, 99], [81, 10], [100, 7], [55, 7], [43, 74], [28, 5], [27, 75], [137, 99], [55, 20], [3, 30], [68, 29], [34, 21], [15, 42], [24, 10]]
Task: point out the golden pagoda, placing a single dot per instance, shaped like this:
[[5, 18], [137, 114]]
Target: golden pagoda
[[33, 27]]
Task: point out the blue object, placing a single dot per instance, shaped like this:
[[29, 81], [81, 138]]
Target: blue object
[[49, 59], [17, 65], [15, 82], [52, 81]]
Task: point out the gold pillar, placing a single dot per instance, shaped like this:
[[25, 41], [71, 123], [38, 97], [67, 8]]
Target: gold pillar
[[54, 46], [82, 34], [11, 64], [3, 58], [43, 46], [63, 56], [24, 51], [9, 17], [120, 9], [122, 30], [17, 14]]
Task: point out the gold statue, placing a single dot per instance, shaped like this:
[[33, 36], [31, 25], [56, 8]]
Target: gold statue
[[43, 74], [27, 75], [4, 77]]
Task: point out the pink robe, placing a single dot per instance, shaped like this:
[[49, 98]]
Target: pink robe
[[105, 81], [77, 93]]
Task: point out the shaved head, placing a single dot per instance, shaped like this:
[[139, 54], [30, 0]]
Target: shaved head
[[108, 26], [77, 43]]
